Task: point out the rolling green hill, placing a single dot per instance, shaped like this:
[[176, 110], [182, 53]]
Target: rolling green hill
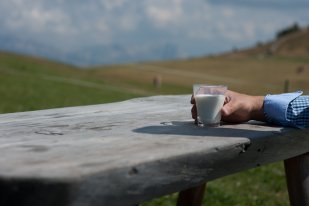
[[30, 83], [258, 70], [294, 44]]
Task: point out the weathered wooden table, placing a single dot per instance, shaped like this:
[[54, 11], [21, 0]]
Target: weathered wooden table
[[128, 152]]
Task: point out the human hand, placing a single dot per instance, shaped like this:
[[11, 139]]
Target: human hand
[[241, 107], [193, 109], [238, 108]]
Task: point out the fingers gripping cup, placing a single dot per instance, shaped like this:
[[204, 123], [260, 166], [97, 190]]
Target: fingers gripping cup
[[209, 101]]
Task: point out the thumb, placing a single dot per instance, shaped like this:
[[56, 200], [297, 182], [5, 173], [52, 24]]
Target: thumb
[[228, 109]]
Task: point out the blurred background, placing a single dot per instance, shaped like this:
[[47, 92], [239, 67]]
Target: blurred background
[[67, 53]]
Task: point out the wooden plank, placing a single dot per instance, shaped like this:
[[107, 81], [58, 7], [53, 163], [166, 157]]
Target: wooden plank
[[297, 175], [192, 196], [137, 149]]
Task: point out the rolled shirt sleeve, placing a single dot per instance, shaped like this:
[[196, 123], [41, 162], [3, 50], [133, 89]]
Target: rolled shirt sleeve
[[276, 107], [298, 112]]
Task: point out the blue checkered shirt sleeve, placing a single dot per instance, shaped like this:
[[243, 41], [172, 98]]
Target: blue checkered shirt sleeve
[[298, 112], [288, 109]]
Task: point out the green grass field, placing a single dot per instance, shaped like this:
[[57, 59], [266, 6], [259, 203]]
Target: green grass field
[[28, 83], [261, 186]]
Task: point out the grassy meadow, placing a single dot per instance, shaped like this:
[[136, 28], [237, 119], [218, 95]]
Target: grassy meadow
[[28, 83]]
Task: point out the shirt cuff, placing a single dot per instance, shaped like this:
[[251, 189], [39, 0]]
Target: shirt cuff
[[275, 107]]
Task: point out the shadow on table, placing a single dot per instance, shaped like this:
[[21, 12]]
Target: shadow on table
[[189, 128]]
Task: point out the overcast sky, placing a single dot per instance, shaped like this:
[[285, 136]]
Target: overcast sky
[[193, 28]]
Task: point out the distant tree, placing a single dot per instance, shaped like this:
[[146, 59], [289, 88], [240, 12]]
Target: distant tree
[[289, 30]]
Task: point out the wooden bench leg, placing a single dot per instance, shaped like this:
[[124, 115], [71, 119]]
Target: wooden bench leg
[[192, 196], [297, 175]]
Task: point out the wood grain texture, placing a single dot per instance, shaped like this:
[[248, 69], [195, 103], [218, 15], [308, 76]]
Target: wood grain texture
[[127, 152]]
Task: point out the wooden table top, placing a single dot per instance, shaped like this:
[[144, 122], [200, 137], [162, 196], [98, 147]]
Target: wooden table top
[[127, 152]]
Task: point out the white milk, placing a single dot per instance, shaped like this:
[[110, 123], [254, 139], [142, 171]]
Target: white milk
[[209, 107]]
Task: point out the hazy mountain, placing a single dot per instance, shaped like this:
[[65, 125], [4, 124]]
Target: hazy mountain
[[15, 44], [116, 53], [107, 54]]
